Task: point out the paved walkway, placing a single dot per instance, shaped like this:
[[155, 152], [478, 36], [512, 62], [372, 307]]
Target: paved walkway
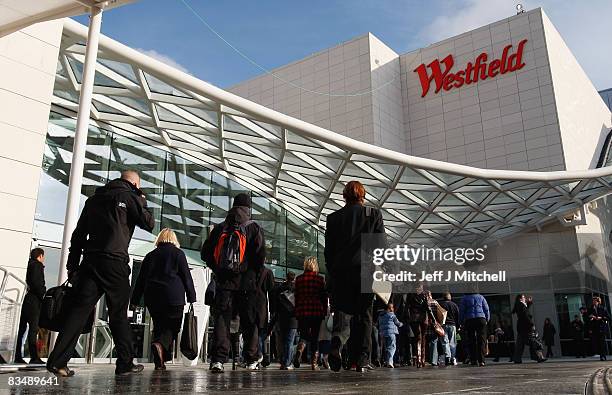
[[555, 377]]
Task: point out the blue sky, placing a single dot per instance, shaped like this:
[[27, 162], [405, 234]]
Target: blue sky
[[274, 33]]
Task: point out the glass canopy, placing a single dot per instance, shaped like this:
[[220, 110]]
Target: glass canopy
[[297, 166]]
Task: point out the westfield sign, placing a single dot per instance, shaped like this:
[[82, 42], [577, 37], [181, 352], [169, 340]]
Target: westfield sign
[[473, 72]]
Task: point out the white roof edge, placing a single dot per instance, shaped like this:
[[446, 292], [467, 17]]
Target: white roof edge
[[196, 85], [73, 8]]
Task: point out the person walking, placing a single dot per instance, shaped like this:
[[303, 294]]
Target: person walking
[[525, 330], [433, 339], [282, 308], [404, 339], [588, 335], [325, 335], [474, 315], [164, 280], [388, 325], [235, 249], [419, 320], [255, 314], [343, 250], [102, 236], [498, 341], [30, 310], [450, 328], [310, 309], [548, 335], [578, 335], [598, 324]]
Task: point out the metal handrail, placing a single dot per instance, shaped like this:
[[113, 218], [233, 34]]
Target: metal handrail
[[5, 278], [18, 300]]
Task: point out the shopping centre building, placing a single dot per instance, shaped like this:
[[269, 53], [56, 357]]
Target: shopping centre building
[[496, 136]]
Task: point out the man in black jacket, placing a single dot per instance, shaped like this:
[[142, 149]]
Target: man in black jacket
[[30, 311], [102, 236], [232, 288], [450, 327], [343, 248]]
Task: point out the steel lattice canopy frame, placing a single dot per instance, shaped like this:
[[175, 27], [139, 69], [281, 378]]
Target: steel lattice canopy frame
[[304, 167]]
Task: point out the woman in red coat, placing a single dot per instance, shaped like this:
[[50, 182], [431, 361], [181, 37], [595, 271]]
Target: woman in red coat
[[310, 309]]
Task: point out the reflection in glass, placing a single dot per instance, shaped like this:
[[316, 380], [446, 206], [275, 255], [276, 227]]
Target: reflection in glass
[[182, 195]]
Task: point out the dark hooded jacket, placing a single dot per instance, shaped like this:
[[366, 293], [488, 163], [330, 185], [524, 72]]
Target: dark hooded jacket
[[343, 250], [107, 223], [254, 258]]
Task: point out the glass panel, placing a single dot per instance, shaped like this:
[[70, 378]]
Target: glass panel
[[123, 69], [222, 194], [100, 79], [150, 162], [272, 219], [190, 189], [158, 86], [301, 241], [57, 159]]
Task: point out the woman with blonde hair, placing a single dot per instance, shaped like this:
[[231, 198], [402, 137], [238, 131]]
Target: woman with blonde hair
[[164, 279], [310, 309]]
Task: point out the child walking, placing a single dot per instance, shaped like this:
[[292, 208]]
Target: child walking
[[388, 325]]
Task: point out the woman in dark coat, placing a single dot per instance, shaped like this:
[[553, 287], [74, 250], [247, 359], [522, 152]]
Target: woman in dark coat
[[164, 279], [525, 329], [310, 309], [548, 335]]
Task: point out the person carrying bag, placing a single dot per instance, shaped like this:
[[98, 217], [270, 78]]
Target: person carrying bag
[[189, 337]]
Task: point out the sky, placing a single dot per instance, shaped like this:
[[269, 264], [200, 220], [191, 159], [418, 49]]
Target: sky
[[274, 33]]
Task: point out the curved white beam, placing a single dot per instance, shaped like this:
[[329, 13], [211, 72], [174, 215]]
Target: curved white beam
[[182, 79]]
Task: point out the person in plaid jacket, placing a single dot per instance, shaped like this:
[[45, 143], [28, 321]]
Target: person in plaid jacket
[[310, 309]]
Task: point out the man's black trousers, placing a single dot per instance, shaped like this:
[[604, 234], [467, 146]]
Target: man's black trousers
[[476, 329], [97, 277], [359, 330]]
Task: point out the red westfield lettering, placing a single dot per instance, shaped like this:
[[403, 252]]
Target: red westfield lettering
[[479, 70]]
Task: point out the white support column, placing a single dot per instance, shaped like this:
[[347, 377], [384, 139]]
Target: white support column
[[80, 137], [80, 141]]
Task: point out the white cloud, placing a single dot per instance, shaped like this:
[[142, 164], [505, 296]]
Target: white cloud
[[583, 26], [164, 59]]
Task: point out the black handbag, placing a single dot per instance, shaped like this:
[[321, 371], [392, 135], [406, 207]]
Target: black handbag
[[54, 308], [189, 337], [51, 308]]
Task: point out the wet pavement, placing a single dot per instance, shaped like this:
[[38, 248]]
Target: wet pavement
[[556, 377]]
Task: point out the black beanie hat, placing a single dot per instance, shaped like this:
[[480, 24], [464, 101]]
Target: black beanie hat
[[242, 199]]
